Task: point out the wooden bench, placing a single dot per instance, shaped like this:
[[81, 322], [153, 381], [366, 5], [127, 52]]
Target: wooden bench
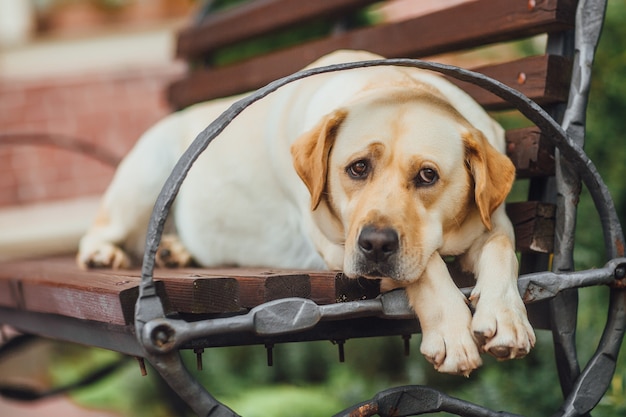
[[53, 298]]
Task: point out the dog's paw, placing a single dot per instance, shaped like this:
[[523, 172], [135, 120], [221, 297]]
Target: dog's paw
[[105, 255], [455, 353], [171, 253], [502, 328]]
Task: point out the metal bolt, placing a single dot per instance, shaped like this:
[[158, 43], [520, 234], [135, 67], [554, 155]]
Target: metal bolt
[[620, 272], [162, 335], [142, 366], [199, 352], [407, 345], [342, 353], [521, 78], [269, 347], [531, 5]]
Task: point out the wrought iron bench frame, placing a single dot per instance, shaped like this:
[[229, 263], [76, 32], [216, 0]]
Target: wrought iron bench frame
[[155, 336]]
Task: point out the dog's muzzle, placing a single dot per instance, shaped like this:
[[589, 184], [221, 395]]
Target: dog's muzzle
[[377, 248]]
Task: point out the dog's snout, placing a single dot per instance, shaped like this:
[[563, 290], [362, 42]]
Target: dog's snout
[[378, 244]]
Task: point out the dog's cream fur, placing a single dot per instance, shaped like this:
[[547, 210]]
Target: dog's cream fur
[[379, 172]]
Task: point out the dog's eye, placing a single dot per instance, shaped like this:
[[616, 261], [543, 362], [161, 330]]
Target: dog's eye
[[359, 169], [426, 176]]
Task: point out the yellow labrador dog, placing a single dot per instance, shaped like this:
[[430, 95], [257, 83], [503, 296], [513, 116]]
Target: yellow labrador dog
[[379, 172]]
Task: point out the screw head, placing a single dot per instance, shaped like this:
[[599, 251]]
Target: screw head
[[620, 272], [162, 336]]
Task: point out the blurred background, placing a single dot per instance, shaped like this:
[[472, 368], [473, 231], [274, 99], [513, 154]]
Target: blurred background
[[90, 69], [97, 70]]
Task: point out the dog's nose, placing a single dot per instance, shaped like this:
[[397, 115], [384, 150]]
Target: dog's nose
[[378, 244]]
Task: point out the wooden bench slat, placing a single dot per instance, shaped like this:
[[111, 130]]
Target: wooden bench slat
[[260, 17], [534, 224], [57, 286], [492, 21], [337, 288], [545, 76], [190, 294], [261, 286], [195, 290], [531, 153]]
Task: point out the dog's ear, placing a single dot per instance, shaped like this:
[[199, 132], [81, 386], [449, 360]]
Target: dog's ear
[[493, 173], [311, 151]]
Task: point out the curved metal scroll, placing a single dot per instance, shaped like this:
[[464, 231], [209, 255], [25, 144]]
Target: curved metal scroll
[[149, 306], [415, 400]]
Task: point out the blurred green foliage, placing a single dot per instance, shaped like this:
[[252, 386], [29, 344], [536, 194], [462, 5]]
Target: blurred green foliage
[[307, 379]]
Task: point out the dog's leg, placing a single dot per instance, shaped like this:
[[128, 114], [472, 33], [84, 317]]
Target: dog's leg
[[500, 322], [445, 320], [172, 253], [118, 232]]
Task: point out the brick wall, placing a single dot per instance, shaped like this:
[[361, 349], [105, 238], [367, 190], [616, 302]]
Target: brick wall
[[108, 109]]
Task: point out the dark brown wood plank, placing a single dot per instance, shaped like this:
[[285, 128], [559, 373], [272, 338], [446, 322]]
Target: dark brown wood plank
[[463, 26], [328, 287], [461, 278], [257, 18], [226, 290], [255, 286], [491, 21], [230, 289], [467, 25], [57, 286], [258, 290], [531, 153], [195, 293], [259, 285], [545, 80], [534, 225]]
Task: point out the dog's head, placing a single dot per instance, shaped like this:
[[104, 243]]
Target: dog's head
[[395, 175]]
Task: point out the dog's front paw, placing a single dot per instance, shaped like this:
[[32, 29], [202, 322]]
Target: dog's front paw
[[105, 255], [502, 328], [454, 353], [171, 253]]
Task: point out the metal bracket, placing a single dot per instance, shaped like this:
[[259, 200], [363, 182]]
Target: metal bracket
[[290, 315]]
